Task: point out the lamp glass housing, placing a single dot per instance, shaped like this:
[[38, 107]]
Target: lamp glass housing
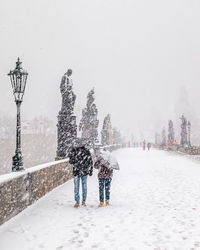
[[18, 78]]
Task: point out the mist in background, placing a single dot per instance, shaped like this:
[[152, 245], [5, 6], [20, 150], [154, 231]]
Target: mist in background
[[142, 57]]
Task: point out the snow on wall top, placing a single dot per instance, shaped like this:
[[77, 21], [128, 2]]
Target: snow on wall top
[[13, 175]]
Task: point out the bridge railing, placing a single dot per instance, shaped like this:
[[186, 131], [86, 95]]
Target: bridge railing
[[192, 150], [18, 190]]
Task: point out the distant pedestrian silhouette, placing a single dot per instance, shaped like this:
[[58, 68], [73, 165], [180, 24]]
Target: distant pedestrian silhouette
[[148, 145], [144, 145]]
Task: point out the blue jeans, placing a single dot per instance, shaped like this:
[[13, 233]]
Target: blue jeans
[[104, 184], [76, 188]]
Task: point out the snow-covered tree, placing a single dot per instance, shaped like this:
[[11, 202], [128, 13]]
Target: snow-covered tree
[[106, 132], [89, 122], [171, 132], [117, 138]]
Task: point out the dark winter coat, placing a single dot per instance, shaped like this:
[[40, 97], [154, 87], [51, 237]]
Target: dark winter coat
[[104, 172], [81, 160]]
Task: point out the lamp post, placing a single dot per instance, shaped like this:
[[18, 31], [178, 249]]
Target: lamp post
[[18, 78], [189, 126]]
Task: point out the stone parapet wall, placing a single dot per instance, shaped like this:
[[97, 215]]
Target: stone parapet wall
[[113, 147], [189, 150], [193, 150], [21, 189]]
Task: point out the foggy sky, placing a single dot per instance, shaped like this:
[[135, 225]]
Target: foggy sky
[[136, 54]]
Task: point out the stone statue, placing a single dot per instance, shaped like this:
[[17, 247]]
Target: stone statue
[[183, 131], [163, 137], [171, 132], [67, 128], [68, 96]]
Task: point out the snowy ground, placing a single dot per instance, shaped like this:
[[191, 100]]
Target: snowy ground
[[155, 204]]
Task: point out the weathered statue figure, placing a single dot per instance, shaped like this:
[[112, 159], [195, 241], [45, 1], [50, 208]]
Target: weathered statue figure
[[183, 131], [67, 128], [171, 132], [68, 96], [163, 137]]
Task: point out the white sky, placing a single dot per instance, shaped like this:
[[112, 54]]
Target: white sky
[[136, 53]]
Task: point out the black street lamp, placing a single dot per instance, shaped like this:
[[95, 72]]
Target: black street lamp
[[18, 78], [189, 126]]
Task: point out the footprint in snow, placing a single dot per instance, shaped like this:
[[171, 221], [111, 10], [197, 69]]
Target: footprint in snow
[[76, 231], [60, 247], [79, 246], [34, 236], [94, 246], [86, 234], [197, 244], [41, 245], [73, 240]]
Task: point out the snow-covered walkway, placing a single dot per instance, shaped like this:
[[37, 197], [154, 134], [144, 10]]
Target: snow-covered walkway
[[155, 204]]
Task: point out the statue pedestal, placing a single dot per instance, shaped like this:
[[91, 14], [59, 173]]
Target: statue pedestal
[[67, 133]]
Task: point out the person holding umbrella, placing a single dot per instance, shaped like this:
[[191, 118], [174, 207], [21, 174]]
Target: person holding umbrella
[[105, 163]]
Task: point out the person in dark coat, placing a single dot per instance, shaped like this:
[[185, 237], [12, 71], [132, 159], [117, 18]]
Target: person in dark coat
[[81, 159], [144, 145], [148, 145]]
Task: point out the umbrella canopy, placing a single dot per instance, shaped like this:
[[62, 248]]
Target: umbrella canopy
[[108, 160]]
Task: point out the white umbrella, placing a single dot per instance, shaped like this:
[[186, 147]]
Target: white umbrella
[[108, 160]]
